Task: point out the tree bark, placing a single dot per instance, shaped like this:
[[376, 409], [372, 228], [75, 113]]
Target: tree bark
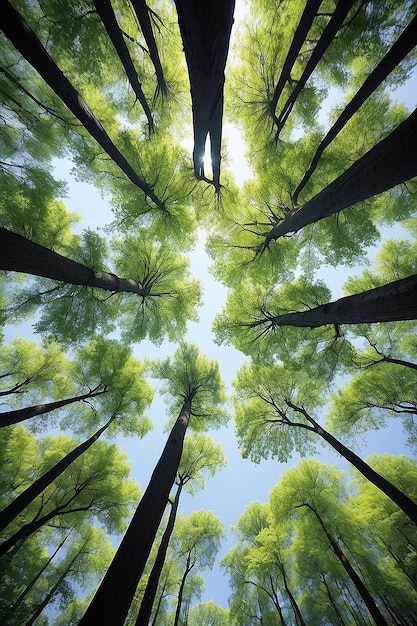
[[297, 613], [340, 12], [149, 594], [19, 415], [18, 31], [357, 581], [114, 596], [404, 44], [394, 301], [18, 254], [142, 13], [304, 25], [10, 512], [107, 16], [188, 569], [390, 162]]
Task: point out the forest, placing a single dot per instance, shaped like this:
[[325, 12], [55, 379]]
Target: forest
[[208, 295]]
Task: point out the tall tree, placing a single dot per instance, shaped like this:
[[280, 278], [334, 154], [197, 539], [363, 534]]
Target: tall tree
[[17, 29], [194, 384]]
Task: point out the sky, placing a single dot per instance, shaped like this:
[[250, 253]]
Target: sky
[[241, 482]]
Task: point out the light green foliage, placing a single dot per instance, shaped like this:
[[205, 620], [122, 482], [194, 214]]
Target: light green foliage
[[208, 614], [197, 539], [201, 458], [189, 375]]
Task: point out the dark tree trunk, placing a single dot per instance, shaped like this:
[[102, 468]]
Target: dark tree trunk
[[10, 512], [18, 254], [404, 44], [340, 12], [142, 13], [304, 25], [391, 491], [107, 16], [357, 581], [114, 596], [149, 594], [297, 613], [20, 415], [27, 43], [205, 31], [391, 162], [188, 569], [394, 301]]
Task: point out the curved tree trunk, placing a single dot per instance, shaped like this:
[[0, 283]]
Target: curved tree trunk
[[394, 301], [297, 613], [107, 16], [188, 569], [20, 415], [304, 25], [10, 512], [336, 21], [391, 162], [18, 31], [149, 594], [114, 596], [18, 254], [357, 581], [142, 13], [404, 44]]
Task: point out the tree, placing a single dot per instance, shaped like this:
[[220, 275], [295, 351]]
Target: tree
[[276, 401], [25, 40], [196, 387], [195, 543], [200, 456]]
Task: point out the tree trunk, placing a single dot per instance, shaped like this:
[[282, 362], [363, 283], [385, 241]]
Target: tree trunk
[[142, 13], [391, 162], [360, 586], [18, 254], [304, 25], [188, 569], [394, 301], [391, 491], [114, 596], [149, 594], [107, 16], [404, 44], [10, 512], [27, 43], [19, 415], [340, 12], [297, 613]]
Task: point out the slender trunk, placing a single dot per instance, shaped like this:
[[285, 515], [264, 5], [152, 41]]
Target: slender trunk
[[304, 25], [114, 596], [394, 301], [340, 12], [18, 31], [28, 529], [18, 254], [188, 569], [297, 613], [158, 607], [388, 359], [391, 491], [51, 592], [28, 587], [149, 594], [10, 512], [360, 586], [14, 417], [391, 162], [142, 13], [107, 16], [332, 601], [404, 44], [275, 600]]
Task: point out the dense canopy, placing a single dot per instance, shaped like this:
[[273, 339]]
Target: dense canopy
[[135, 235]]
